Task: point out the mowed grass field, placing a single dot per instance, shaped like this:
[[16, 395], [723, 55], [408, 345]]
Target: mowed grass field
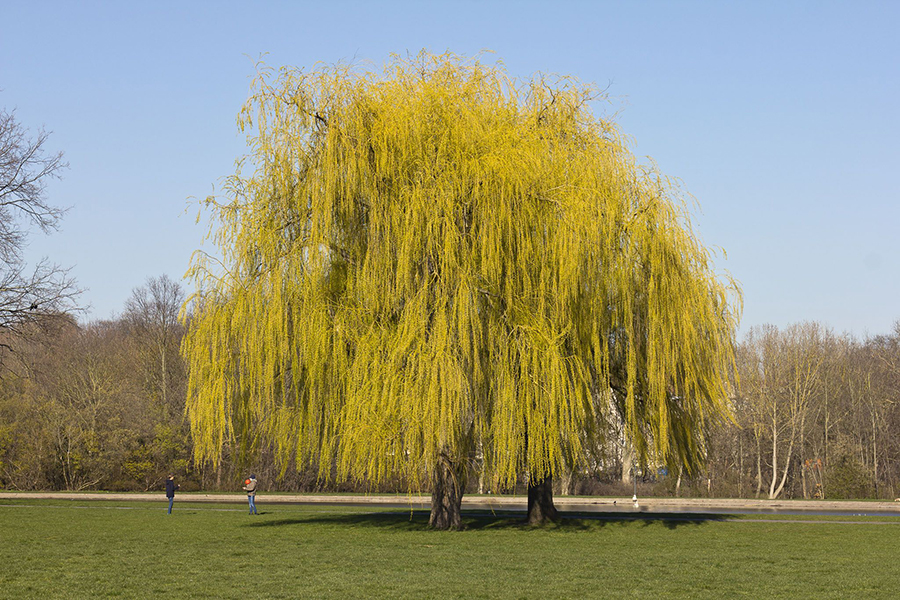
[[79, 549]]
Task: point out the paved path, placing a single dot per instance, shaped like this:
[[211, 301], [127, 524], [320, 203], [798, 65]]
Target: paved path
[[507, 503]]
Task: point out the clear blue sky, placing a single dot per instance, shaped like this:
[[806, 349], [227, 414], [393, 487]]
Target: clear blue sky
[[780, 118]]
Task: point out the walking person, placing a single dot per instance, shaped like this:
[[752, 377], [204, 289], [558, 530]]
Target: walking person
[[170, 491], [250, 487]]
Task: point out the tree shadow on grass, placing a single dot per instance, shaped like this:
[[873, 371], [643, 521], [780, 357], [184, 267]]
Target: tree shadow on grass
[[669, 520], [475, 520], [389, 520]]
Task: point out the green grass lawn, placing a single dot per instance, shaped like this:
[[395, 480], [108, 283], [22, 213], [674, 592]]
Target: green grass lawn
[[78, 549]]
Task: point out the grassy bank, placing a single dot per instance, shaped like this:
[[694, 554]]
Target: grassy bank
[[89, 549]]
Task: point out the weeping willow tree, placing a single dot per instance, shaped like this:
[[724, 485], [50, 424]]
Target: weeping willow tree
[[441, 266]]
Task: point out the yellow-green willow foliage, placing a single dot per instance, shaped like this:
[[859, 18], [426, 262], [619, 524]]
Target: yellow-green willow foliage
[[441, 256]]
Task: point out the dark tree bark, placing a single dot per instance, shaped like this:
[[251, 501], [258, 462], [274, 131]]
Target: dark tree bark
[[540, 501], [447, 486]]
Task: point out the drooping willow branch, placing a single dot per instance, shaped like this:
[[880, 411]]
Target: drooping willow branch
[[451, 259]]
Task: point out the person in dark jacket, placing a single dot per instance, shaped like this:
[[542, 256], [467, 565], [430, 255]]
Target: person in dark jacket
[[250, 487], [170, 491]]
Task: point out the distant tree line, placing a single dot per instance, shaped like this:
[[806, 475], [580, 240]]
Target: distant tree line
[[816, 416], [97, 406]]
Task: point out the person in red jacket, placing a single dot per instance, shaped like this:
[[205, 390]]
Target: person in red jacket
[[250, 487]]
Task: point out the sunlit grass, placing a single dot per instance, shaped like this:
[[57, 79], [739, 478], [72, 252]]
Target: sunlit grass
[[79, 549]]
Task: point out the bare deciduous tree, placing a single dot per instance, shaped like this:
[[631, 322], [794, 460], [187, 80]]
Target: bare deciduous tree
[[28, 295], [779, 379], [152, 314]]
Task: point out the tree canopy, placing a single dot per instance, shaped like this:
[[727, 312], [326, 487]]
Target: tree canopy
[[440, 262]]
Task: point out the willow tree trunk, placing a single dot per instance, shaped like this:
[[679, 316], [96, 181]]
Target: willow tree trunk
[[540, 501], [447, 488]]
